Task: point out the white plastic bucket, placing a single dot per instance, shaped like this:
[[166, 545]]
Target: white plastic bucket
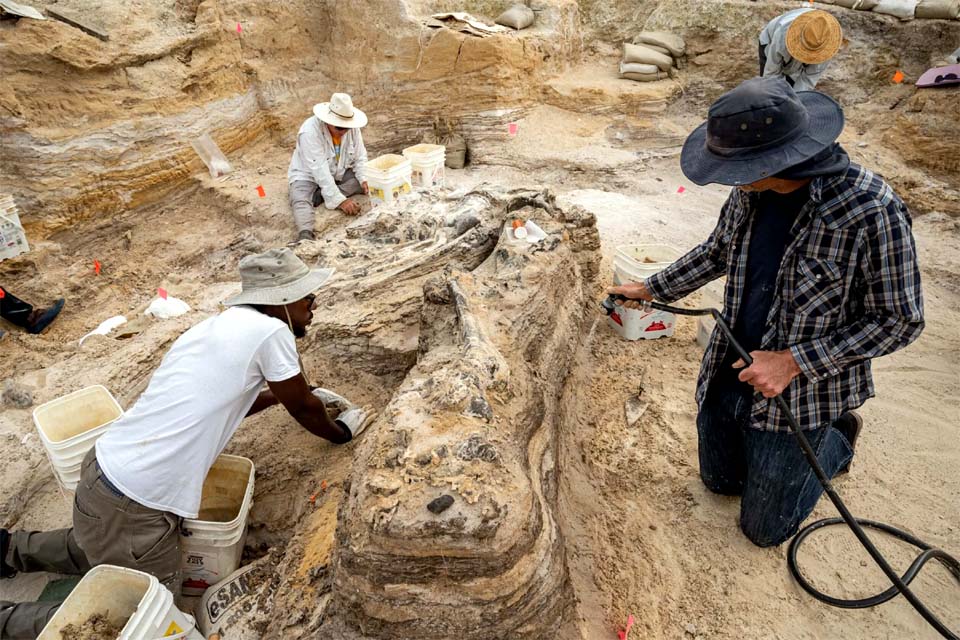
[[388, 177], [123, 596], [70, 425], [711, 296], [13, 240], [212, 543], [633, 263], [427, 163]]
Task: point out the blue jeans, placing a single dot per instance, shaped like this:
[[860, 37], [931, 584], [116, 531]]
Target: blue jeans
[[769, 471]]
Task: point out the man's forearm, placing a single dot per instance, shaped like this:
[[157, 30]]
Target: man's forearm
[[265, 400], [869, 338]]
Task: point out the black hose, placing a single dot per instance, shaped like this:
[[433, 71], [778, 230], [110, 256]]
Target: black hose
[[856, 525]]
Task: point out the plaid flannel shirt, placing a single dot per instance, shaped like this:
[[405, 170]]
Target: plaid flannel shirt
[[848, 290]]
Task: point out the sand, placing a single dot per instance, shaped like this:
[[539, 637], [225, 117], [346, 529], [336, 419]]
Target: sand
[[642, 535], [96, 627]]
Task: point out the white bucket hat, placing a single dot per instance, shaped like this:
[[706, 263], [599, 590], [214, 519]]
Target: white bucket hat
[[276, 277], [340, 112]]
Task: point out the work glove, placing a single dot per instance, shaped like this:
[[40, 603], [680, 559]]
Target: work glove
[[333, 401], [355, 419]]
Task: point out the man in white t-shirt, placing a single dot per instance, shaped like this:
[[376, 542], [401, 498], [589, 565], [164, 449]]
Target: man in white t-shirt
[[146, 473]]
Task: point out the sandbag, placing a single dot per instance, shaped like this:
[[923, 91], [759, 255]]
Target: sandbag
[[646, 55], [643, 77], [456, 150], [637, 67], [903, 9], [674, 44], [519, 16], [938, 9], [861, 5], [658, 49]]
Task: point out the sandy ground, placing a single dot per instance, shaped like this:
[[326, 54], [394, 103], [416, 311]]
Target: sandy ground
[[644, 537]]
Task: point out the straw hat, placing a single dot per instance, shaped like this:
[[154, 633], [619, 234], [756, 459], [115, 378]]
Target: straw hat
[[814, 37], [340, 112], [276, 277]]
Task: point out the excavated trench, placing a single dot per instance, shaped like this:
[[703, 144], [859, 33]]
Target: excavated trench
[[469, 346]]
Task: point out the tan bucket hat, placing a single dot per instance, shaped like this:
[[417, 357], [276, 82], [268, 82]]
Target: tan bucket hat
[[276, 277], [814, 37], [340, 112]]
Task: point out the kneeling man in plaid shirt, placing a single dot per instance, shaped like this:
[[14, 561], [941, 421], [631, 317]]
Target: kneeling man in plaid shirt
[[822, 277]]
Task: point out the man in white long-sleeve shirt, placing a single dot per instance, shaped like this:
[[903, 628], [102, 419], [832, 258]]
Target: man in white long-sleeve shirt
[[329, 163], [798, 45]]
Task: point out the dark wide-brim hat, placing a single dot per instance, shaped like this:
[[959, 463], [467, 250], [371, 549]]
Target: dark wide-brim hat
[[757, 130]]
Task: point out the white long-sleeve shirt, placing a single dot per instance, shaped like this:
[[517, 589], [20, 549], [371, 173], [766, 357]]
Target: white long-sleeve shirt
[[315, 159], [773, 38]]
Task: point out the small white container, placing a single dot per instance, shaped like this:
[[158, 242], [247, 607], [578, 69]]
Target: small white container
[[69, 427], [13, 240], [427, 164], [120, 595], [388, 178], [212, 543], [633, 263]]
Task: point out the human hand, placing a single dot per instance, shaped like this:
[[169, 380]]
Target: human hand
[[356, 419], [333, 401], [349, 207], [366, 188], [770, 372], [635, 291]]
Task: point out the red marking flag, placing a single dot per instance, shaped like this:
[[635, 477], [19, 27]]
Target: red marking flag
[[3, 294], [261, 192], [898, 77], [96, 267]]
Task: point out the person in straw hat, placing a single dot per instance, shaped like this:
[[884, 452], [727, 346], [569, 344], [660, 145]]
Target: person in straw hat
[[329, 164], [798, 45], [821, 277], [146, 473]]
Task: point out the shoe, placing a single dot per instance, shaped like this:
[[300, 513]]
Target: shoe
[[45, 317], [849, 424], [305, 235], [6, 571]]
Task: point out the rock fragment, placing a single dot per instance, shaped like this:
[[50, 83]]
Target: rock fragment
[[441, 504], [17, 395]]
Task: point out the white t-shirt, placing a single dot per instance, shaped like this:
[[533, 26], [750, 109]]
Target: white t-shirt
[[159, 452]]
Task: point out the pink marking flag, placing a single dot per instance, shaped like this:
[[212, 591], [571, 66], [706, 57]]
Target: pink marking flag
[[162, 292], [681, 189], [512, 128], [239, 30], [622, 635]]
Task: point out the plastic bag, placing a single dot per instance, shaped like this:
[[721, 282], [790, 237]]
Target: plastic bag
[[211, 155]]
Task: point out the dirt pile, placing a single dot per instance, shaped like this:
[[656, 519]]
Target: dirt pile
[[96, 627]]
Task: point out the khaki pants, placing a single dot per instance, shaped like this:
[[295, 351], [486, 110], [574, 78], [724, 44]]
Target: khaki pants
[[306, 195], [108, 528]]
